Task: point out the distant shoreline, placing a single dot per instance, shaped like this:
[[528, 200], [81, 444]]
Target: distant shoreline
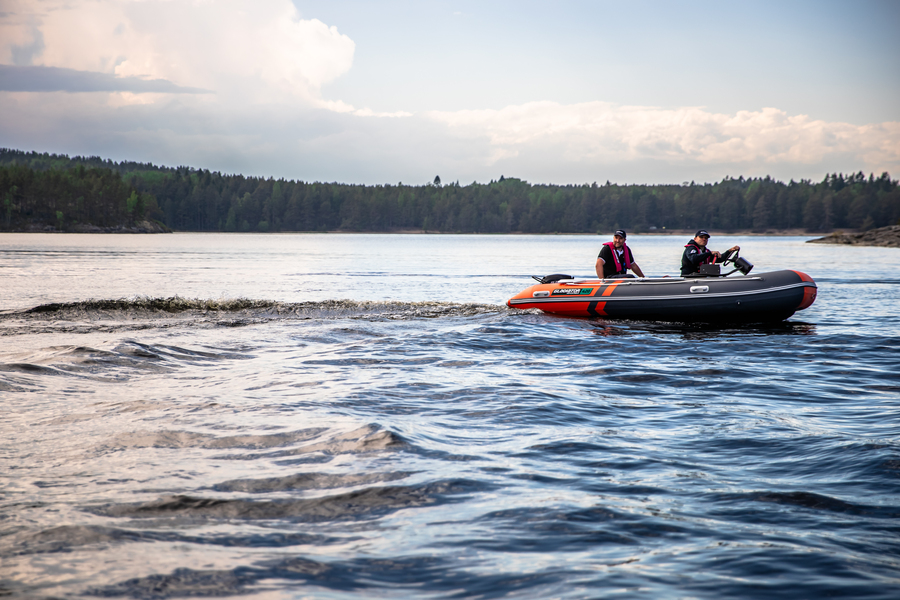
[[44, 192], [149, 230], [689, 233], [138, 228]]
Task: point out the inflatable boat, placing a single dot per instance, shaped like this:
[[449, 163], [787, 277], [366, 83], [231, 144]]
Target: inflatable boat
[[708, 296]]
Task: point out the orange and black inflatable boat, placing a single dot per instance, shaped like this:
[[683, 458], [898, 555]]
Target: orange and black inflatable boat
[[764, 297]]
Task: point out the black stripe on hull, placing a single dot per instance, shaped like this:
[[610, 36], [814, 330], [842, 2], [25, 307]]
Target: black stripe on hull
[[771, 306]]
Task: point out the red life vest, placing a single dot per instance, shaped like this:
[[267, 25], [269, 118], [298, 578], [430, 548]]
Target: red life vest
[[706, 261], [626, 254]]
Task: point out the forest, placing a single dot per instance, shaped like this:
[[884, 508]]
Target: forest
[[43, 191]]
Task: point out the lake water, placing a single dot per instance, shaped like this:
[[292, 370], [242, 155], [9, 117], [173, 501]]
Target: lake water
[[360, 416]]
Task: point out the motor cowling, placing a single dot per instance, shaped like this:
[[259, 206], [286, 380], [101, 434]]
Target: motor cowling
[[552, 278], [743, 265]]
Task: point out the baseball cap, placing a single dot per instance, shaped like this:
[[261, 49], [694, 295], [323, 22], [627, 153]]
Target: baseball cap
[[701, 233], [620, 232]]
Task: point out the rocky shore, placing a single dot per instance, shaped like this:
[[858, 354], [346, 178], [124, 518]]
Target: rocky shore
[[140, 227], [888, 237]]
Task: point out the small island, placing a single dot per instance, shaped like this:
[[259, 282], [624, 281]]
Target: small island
[[886, 237]]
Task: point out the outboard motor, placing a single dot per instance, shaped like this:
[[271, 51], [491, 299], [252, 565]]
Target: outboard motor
[[743, 265], [551, 278]]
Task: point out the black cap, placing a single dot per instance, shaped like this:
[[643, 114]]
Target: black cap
[[620, 232], [701, 233]]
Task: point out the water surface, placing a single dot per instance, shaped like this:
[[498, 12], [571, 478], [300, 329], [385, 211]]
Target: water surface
[[359, 416]]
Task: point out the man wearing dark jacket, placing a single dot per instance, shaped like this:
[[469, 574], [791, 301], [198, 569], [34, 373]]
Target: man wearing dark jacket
[[696, 253], [616, 259]]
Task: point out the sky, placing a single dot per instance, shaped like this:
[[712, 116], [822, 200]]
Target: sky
[[374, 92]]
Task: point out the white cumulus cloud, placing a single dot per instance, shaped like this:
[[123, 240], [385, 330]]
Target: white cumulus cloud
[[259, 50], [241, 85], [604, 133]]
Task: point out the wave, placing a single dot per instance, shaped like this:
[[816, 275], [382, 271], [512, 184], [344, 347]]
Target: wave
[[176, 305], [143, 313], [435, 576], [369, 438], [364, 503], [68, 538]]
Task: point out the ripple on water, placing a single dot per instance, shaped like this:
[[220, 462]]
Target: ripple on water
[[359, 449]]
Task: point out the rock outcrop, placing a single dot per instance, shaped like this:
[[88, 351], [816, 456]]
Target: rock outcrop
[[888, 237], [139, 227]]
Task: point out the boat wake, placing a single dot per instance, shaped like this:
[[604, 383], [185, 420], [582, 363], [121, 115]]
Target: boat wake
[[145, 313]]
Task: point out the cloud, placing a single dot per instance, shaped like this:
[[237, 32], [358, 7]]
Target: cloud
[[246, 51], [604, 133], [54, 79], [147, 62]]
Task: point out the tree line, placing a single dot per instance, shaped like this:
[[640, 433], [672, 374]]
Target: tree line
[[62, 199], [58, 191]]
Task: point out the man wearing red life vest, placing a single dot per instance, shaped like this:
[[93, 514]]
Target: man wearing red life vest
[[696, 254], [616, 258]]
